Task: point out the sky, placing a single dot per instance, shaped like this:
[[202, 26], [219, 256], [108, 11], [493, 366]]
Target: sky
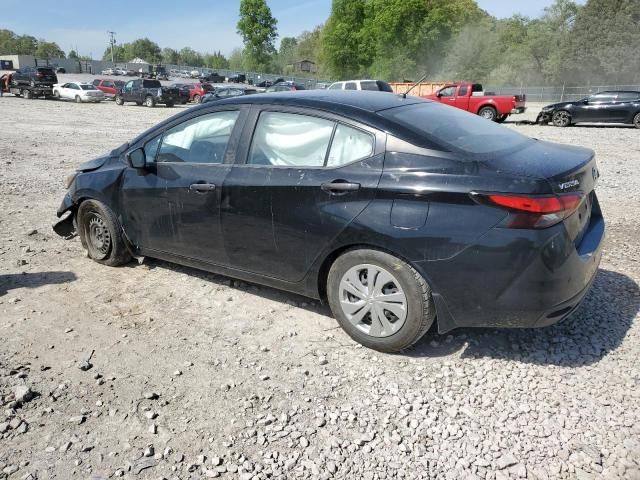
[[176, 24]]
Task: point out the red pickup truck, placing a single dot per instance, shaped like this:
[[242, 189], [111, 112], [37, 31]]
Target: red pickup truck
[[472, 98]]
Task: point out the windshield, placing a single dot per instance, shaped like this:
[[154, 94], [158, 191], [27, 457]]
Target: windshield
[[151, 84], [455, 129]]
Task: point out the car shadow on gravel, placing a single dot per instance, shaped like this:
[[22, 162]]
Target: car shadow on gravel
[[595, 329], [12, 281]]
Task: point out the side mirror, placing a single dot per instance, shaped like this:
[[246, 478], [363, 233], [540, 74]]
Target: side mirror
[[137, 158], [438, 94]]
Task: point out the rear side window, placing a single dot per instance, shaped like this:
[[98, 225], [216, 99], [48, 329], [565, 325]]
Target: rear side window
[[97, 82], [384, 86], [455, 129], [151, 84], [292, 140], [369, 86], [349, 144], [603, 97], [628, 96], [336, 86], [350, 86], [463, 90]]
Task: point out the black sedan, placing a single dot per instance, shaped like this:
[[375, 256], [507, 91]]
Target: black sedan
[[602, 107], [397, 211], [220, 93]]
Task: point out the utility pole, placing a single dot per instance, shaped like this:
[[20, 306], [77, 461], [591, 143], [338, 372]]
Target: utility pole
[[112, 42]]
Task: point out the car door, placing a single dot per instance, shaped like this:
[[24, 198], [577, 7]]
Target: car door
[[600, 107], [447, 95], [462, 99], [68, 90], [128, 90], [306, 176], [174, 206]]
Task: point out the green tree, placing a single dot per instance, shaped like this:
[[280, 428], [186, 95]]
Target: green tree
[[258, 30], [216, 60], [12, 44], [286, 53], [170, 56], [188, 56], [48, 50], [236, 59], [604, 42], [342, 39], [73, 55]]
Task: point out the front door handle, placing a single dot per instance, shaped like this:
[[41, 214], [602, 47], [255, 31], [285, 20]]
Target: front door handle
[[202, 187], [338, 187]]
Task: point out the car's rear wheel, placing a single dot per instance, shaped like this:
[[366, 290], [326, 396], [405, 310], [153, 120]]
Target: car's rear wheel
[[78, 99], [636, 120], [101, 234], [197, 99], [379, 300], [150, 102], [119, 100], [561, 118], [488, 113]]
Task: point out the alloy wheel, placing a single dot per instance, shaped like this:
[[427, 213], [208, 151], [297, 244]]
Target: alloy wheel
[[373, 300], [561, 119]]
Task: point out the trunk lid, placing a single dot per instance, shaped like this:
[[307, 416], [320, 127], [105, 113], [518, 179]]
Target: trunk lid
[[566, 169]]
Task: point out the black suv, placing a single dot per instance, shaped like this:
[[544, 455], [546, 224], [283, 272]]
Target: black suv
[[35, 76], [149, 92]]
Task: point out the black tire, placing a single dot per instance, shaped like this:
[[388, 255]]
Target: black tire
[[26, 94], [149, 101], [420, 309], [119, 100], [488, 113], [197, 99], [101, 234], [78, 99], [169, 105], [636, 120], [561, 118]]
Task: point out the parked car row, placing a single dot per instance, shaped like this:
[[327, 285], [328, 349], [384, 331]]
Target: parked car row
[[119, 71]]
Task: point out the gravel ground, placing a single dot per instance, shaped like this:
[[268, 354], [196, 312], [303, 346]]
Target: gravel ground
[[197, 376]]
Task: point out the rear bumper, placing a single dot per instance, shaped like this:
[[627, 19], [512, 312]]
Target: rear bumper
[[517, 110], [516, 278]]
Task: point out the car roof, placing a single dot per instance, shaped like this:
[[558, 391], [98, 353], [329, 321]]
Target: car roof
[[338, 101]]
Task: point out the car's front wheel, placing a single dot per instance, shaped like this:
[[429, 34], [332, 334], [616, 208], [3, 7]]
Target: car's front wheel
[[561, 118], [101, 234], [119, 100], [78, 99], [636, 120], [379, 300], [150, 102]]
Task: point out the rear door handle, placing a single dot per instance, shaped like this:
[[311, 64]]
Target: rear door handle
[[202, 187], [337, 187]]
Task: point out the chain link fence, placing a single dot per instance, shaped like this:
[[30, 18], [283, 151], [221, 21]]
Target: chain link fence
[[559, 93]]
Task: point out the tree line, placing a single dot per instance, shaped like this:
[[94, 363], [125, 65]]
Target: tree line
[[400, 40]]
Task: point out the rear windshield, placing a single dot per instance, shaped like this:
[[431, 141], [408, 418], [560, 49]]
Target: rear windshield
[[88, 87], [151, 84], [45, 70], [456, 130]]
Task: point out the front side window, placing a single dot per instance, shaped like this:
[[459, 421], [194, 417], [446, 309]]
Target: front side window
[[293, 140], [200, 140], [349, 144], [151, 148], [603, 97], [448, 91], [336, 86], [129, 84], [462, 91]]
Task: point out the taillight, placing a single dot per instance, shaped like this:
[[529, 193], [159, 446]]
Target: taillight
[[39, 74], [533, 211]]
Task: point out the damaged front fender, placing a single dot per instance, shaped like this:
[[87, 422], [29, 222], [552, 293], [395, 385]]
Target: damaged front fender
[[66, 227]]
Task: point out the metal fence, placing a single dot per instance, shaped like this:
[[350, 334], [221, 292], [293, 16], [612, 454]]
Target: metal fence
[[557, 94]]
